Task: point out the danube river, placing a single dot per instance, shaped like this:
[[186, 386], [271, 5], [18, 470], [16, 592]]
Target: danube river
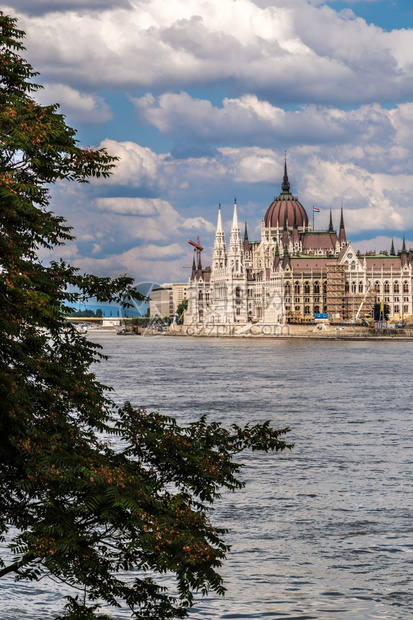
[[324, 531]]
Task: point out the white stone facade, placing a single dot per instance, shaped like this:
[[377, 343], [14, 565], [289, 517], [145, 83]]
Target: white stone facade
[[290, 275]]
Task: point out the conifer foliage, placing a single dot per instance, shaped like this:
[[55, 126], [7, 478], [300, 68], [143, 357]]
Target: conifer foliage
[[99, 497]]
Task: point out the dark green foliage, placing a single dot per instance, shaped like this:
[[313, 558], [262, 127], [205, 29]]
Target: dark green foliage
[[82, 313], [181, 308], [71, 505]]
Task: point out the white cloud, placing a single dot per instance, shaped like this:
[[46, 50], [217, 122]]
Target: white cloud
[[373, 197], [79, 107], [135, 264], [151, 212], [371, 201], [291, 51], [252, 58], [137, 165], [381, 243], [156, 252], [129, 206], [39, 7], [369, 133], [147, 237]]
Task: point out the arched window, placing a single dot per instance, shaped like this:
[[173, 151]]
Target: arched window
[[353, 287], [238, 292], [347, 287], [377, 286], [386, 287], [306, 288], [316, 309], [307, 310], [297, 288], [405, 287], [287, 288], [360, 287], [316, 288], [325, 288], [200, 296], [396, 288]]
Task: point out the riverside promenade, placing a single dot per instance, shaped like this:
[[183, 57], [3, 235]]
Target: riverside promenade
[[319, 332]]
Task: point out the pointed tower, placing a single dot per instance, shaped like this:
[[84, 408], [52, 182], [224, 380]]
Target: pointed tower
[[392, 253], [276, 262], [193, 272], [285, 238], [285, 185], [286, 258], [219, 253], [404, 253], [235, 247], [330, 228], [284, 204], [247, 246], [342, 235]]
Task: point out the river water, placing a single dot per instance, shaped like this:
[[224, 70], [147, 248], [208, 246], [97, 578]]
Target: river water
[[324, 531]]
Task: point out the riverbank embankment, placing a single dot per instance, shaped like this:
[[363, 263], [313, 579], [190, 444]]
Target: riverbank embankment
[[318, 332]]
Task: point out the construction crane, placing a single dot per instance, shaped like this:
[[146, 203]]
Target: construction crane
[[197, 248], [363, 300]]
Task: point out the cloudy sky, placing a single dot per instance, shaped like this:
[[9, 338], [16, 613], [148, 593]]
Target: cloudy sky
[[200, 99]]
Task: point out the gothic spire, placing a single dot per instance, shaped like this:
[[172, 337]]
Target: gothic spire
[[330, 228], [219, 251], [276, 260], [246, 232], [342, 235], [235, 241], [392, 253], [235, 225], [285, 185], [286, 257], [193, 267], [404, 251], [219, 223]]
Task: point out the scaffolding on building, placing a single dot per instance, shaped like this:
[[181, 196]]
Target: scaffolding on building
[[347, 303], [336, 286]]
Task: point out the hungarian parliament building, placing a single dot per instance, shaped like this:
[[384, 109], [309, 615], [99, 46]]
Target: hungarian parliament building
[[294, 274]]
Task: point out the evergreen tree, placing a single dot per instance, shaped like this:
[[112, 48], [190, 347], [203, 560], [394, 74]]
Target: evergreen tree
[[71, 505]]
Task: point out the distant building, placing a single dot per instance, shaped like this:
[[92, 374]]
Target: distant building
[[294, 273], [165, 299]]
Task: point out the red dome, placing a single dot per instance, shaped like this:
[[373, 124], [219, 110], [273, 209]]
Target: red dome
[[286, 209]]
